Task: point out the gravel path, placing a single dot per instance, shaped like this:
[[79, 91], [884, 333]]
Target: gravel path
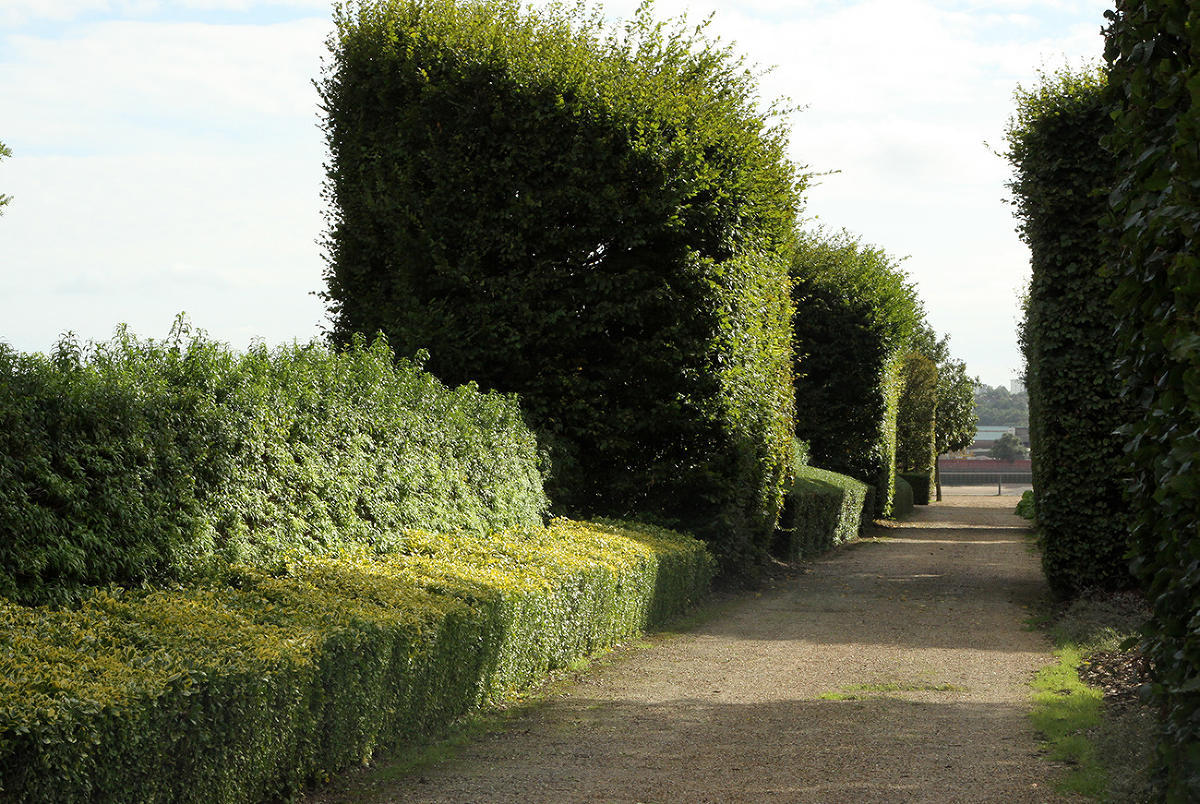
[[894, 670]]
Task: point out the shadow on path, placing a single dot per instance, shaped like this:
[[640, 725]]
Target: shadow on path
[[894, 670]]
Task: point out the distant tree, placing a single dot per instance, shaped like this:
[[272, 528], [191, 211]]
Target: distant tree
[[5, 151], [955, 418], [1007, 448], [999, 408]]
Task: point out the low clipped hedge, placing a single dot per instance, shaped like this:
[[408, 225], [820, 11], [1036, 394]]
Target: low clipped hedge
[[902, 498], [141, 461], [921, 484], [823, 509], [247, 688]]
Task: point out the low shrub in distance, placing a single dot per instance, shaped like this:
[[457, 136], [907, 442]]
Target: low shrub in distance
[[244, 688], [144, 461], [823, 509], [1027, 506]]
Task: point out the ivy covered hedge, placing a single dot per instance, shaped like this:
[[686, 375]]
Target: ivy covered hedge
[[1061, 176], [597, 219], [856, 313], [823, 510], [1153, 53], [244, 687], [140, 461]]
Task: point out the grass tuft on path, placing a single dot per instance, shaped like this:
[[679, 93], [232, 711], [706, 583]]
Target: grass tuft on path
[[858, 692]]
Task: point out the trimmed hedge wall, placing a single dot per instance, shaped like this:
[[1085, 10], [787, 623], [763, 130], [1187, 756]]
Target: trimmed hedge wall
[[596, 219], [856, 311], [245, 689], [824, 509], [1153, 52], [1061, 176], [140, 461]]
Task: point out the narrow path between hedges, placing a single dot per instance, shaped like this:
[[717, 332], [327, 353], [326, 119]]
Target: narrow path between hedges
[[892, 670]]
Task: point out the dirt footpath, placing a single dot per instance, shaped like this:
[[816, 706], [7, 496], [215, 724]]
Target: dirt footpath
[[894, 670]]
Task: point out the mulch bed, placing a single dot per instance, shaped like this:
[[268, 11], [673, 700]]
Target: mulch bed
[[1120, 674]]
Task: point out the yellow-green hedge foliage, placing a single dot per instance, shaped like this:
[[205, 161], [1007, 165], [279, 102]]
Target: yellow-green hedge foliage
[[244, 689]]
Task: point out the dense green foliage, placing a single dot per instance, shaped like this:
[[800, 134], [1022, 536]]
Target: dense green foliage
[[1007, 448], [1153, 51], [136, 460], [956, 418], [998, 407], [597, 219], [915, 425], [1060, 176], [856, 312], [824, 509], [246, 687]]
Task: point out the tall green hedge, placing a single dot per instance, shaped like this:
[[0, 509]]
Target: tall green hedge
[[915, 423], [1061, 175], [1153, 53], [597, 219], [855, 314], [135, 460]]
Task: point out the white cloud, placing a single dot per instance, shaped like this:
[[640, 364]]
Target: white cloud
[[172, 165], [120, 85], [90, 242], [159, 168], [15, 13], [900, 97]]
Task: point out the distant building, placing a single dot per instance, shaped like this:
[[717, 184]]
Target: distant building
[[1016, 386]]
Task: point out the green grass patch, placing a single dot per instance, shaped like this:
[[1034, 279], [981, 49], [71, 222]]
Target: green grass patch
[[1107, 751], [1064, 710], [858, 692]]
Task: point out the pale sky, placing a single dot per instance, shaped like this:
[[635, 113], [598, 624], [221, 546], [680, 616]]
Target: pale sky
[[167, 156]]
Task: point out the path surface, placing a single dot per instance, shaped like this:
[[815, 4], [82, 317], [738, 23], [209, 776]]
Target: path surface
[[920, 634]]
